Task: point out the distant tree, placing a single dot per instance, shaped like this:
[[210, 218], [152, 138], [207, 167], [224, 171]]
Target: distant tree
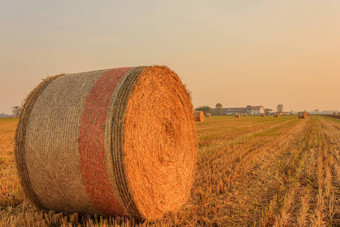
[[218, 105], [218, 109], [205, 109], [16, 110], [279, 108]]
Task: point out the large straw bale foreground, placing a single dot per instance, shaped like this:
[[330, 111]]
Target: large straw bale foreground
[[111, 142]]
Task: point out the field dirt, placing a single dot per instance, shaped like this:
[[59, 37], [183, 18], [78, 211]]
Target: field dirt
[[250, 171]]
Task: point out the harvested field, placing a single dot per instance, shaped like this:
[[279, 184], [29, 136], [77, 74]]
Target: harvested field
[[250, 171]]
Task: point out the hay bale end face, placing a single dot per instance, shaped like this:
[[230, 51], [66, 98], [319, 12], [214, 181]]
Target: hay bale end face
[[238, 115], [110, 142], [199, 116], [303, 115]]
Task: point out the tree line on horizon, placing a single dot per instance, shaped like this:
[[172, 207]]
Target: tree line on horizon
[[207, 109]]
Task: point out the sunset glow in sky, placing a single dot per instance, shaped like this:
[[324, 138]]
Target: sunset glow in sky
[[233, 52]]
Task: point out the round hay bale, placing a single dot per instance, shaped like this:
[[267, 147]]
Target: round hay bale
[[208, 115], [110, 142], [263, 114], [277, 115], [238, 115], [199, 116], [302, 115]]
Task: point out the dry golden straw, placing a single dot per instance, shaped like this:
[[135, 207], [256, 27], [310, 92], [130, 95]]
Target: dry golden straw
[[302, 115], [199, 116], [110, 142]]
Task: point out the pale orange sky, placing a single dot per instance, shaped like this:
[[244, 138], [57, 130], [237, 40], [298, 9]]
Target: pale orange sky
[[234, 52]]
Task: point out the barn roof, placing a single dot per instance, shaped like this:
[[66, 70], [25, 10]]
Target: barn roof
[[255, 107]]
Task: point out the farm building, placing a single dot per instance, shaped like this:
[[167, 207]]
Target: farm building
[[285, 113], [249, 110], [229, 111], [255, 110], [268, 111]]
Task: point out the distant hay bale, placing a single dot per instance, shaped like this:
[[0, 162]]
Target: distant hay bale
[[208, 115], [245, 114], [263, 114], [238, 115], [277, 115], [303, 115], [110, 142], [199, 116]]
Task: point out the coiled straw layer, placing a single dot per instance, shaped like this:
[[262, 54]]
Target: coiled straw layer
[[110, 142]]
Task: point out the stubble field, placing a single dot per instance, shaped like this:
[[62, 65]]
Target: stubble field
[[258, 171]]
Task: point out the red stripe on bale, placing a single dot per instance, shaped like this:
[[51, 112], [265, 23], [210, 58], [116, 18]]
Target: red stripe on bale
[[91, 143]]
